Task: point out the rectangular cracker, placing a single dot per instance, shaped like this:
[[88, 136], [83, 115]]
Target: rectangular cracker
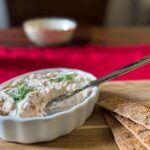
[[139, 131], [128, 109], [124, 139]]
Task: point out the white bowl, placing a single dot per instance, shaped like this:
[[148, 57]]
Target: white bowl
[[49, 31], [41, 129]]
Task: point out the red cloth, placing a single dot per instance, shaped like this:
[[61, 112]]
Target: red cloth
[[98, 60]]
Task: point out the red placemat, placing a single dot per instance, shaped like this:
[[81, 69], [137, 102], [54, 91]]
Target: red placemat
[[98, 60]]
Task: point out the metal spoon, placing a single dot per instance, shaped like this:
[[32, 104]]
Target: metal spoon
[[99, 81]]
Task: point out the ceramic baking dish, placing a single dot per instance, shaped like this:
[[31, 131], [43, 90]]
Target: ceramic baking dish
[[41, 129]]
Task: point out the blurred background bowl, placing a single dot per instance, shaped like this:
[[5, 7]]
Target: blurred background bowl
[[49, 31]]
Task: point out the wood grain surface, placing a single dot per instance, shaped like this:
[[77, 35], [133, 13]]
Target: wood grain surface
[[15, 37], [94, 134]]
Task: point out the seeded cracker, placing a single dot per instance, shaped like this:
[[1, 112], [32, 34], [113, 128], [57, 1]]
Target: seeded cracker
[[124, 139], [142, 133], [128, 109]]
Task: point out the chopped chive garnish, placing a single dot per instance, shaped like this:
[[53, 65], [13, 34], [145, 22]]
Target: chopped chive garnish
[[20, 93], [63, 78]]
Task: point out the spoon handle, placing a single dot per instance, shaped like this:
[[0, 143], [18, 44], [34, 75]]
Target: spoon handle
[[112, 75]]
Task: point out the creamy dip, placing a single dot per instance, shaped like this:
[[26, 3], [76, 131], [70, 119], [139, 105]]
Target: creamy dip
[[28, 96]]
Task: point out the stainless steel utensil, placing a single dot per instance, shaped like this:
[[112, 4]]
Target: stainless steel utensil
[[99, 81]]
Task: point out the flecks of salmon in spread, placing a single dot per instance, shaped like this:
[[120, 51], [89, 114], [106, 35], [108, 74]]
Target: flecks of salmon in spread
[[29, 96]]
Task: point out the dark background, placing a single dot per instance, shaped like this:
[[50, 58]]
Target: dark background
[[86, 12]]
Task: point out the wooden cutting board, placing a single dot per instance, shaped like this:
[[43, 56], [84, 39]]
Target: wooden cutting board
[[94, 134]]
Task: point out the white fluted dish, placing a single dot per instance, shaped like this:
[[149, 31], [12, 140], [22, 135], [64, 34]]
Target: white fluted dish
[[41, 129]]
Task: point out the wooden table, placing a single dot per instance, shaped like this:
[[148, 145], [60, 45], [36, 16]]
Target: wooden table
[[95, 133], [104, 36]]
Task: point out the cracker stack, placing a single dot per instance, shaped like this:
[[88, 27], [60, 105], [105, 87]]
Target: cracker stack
[[129, 122]]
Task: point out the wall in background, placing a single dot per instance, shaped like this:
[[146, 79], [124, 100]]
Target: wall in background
[[4, 18], [128, 13], [87, 12]]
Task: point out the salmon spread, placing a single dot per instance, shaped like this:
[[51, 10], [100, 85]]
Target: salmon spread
[[27, 97]]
